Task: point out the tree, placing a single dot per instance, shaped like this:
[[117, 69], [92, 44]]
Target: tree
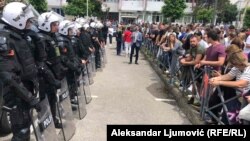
[[229, 13], [204, 14], [78, 8], [219, 7], [40, 5], [173, 9], [247, 18]]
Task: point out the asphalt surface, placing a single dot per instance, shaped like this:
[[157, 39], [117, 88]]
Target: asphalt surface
[[126, 94]]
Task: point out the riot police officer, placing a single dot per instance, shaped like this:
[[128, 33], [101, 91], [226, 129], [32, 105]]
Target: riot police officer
[[96, 44], [69, 58], [78, 46], [85, 37], [48, 23], [18, 70], [38, 48]]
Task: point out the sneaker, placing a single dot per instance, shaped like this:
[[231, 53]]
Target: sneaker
[[181, 88], [167, 71], [196, 102], [191, 100], [74, 107], [136, 63], [74, 101], [57, 124]]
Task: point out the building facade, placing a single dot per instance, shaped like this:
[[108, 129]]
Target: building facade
[[129, 11], [56, 5]]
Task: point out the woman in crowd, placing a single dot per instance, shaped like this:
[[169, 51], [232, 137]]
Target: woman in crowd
[[240, 72]]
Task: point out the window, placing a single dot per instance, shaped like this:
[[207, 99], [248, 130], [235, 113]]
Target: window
[[190, 1], [110, 0]]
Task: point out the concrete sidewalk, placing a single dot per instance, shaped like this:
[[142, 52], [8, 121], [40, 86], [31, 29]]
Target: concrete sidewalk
[[126, 94]]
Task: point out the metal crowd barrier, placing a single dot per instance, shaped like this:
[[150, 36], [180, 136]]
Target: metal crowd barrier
[[189, 78]]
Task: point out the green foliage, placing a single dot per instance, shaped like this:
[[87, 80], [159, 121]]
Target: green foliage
[[229, 13], [226, 12], [40, 5], [247, 19], [79, 7], [204, 14], [173, 9]]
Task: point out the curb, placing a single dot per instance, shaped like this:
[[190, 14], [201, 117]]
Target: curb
[[191, 114]]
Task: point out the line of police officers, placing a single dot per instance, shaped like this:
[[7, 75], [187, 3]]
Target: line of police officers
[[32, 64]]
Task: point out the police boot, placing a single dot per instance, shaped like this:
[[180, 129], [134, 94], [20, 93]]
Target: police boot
[[22, 135], [57, 123]]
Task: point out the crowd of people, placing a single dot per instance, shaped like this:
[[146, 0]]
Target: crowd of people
[[35, 56], [223, 51]]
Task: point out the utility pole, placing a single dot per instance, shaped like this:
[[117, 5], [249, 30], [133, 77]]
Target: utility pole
[[215, 12], [87, 8], [239, 11]]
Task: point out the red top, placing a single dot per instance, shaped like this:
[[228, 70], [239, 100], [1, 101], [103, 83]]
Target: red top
[[127, 36]]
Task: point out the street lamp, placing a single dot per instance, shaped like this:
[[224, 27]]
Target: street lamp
[[239, 2]]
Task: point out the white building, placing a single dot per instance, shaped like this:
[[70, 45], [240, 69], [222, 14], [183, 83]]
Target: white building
[[142, 10], [56, 5]]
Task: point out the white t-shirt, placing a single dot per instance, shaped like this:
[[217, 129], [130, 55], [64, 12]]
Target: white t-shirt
[[247, 50], [227, 42], [239, 75], [203, 44], [110, 31]]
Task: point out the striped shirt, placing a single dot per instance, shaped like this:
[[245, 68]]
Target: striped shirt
[[241, 75]]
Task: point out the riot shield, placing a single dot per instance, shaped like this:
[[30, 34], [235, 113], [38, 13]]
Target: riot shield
[[93, 65], [102, 58], [43, 123], [81, 110], [64, 112], [104, 55], [90, 72], [86, 88], [1, 95]]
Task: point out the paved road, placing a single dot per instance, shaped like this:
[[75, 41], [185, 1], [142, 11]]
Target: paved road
[[126, 94]]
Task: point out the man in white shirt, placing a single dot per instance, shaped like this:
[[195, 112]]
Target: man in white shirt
[[137, 40], [202, 43]]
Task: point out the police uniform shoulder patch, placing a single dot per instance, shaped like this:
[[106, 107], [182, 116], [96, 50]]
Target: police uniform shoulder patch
[[3, 43]]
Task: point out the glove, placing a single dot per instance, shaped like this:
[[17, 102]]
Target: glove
[[57, 84], [35, 103]]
